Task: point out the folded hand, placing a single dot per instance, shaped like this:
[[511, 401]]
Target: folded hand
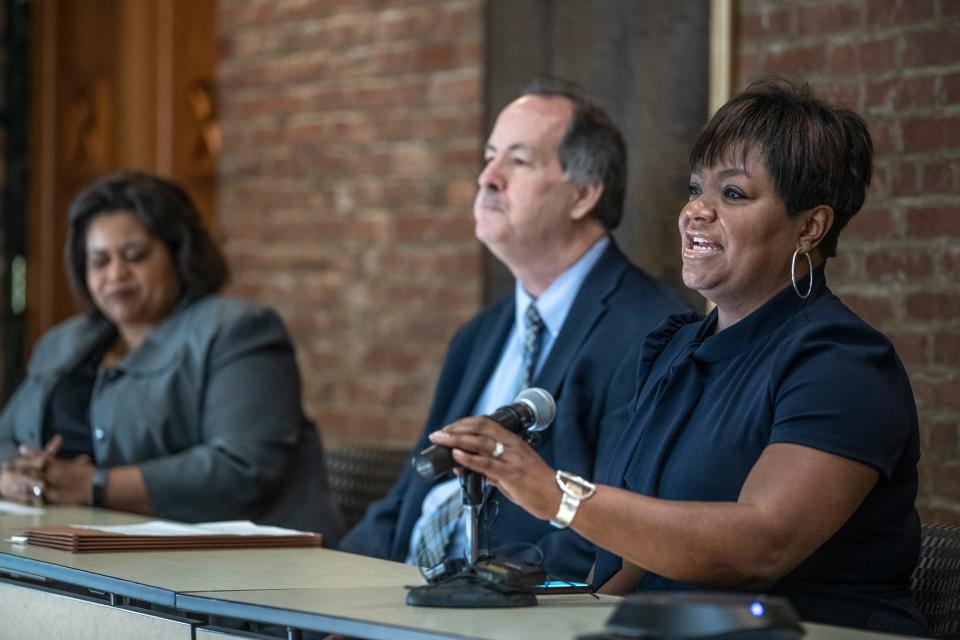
[[23, 478]]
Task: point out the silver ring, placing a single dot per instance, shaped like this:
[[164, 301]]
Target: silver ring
[[37, 491], [497, 450]]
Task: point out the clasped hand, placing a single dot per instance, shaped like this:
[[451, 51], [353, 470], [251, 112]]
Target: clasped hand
[[37, 476], [514, 468]]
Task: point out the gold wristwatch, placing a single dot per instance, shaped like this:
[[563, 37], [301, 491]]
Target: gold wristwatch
[[575, 490]]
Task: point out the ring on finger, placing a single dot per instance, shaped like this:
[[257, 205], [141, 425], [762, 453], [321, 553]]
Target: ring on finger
[[497, 450]]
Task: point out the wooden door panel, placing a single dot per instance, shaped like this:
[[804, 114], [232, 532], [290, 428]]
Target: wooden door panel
[[117, 85]]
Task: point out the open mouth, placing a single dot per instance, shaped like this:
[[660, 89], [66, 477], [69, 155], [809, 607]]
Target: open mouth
[[698, 245]]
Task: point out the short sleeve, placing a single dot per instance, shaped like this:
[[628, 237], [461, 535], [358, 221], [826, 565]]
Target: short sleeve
[[844, 391]]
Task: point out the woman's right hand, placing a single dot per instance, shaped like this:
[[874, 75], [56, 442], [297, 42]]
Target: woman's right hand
[[505, 460]]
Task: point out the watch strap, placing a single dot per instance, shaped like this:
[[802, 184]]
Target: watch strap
[[98, 486], [571, 497], [568, 508]]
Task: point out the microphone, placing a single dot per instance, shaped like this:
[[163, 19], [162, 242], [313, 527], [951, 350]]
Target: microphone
[[533, 410]]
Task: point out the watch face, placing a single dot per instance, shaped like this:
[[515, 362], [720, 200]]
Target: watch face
[[577, 486], [577, 489]]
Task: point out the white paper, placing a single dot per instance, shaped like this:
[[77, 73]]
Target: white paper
[[20, 509], [161, 528]]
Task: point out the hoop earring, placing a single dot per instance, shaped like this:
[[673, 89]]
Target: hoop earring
[[793, 274]]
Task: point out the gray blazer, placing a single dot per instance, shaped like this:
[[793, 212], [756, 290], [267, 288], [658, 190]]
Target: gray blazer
[[208, 407]]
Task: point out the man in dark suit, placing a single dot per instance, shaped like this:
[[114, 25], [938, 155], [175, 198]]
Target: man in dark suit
[[549, 194]]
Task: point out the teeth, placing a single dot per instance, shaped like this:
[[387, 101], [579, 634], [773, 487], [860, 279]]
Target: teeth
[[701, 244]]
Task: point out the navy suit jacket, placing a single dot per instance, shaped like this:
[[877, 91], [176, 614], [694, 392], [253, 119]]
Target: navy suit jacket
[[615, 308]]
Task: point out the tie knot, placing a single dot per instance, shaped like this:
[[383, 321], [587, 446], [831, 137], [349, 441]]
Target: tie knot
[[532, 319]]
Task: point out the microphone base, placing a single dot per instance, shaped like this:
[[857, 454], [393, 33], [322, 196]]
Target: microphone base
[[487, 584], [465, 592]]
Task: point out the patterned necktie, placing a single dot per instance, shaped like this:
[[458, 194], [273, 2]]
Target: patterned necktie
[[439, 526], [532, 341], [437, 530]]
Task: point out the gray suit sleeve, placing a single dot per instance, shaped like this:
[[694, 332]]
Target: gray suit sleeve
[[17, 410], [8, 443], [250, 420]]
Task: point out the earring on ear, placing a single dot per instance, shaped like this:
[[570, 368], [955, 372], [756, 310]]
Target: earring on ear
[[793, 273]]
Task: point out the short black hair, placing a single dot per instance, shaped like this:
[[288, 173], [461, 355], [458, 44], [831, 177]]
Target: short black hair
[[816, 153], [166, 211], [592, 149]]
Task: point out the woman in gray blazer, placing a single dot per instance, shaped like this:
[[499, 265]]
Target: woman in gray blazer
[[165, 398]]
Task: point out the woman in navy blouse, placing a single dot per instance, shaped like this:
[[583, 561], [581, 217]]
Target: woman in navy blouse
[[772, 445]]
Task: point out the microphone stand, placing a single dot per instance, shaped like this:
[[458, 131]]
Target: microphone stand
[[471, 483], [474, 582]]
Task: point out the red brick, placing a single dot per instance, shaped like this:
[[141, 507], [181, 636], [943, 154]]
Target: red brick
[[843, 267], [391, 359], [925, 468], [881, 181], [933, 222], [950, 9], [844, 58], [931, 133], [951, 88], [748, 66], [339, 117], [869, 224], [430, 228], [942, 393], [927, 47], [950, 263], [877, 55], [819, 20], [946, 347], [916, 92], [898, 12], [796, 60], [899, 265], [941, 440], [874, 309], [886, 137], [910, 346], [424, 22], [904, 178], [880, 94], [460, 193], [939, 176], [458, 90], [765, 23], [931, 305], [848, 94]]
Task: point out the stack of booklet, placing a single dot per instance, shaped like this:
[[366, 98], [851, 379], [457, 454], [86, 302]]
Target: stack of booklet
[[156, 535]]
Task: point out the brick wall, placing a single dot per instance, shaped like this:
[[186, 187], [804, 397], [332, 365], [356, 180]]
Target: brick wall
[[898, 265], [352, 138]]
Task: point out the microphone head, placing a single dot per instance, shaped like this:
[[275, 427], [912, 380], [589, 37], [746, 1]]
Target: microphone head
[[541, 403]]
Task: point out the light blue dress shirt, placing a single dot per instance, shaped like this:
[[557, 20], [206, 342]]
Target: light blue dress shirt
[[553, 304]]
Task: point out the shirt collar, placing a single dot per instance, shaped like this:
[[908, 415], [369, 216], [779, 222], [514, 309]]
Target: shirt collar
[[554, 303]]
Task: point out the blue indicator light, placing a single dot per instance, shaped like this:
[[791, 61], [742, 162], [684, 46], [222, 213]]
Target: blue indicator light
[[756, 609]]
